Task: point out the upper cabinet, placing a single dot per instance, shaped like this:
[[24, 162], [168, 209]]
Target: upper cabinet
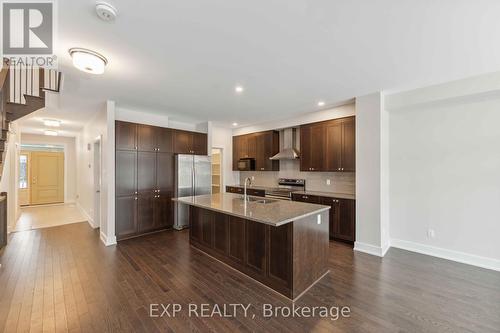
[[260, 146], [186, 142], [328, 146], [312, 147], [126, 136]]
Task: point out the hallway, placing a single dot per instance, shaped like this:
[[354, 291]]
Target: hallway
[[65, 279], [36, 217]]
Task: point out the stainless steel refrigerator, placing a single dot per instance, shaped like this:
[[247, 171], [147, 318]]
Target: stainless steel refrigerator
[[193, 176]]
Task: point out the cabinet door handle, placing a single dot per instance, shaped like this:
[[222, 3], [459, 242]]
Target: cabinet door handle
[[262, 168]]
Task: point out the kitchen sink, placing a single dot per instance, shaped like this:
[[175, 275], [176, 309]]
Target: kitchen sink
[[258, 200]]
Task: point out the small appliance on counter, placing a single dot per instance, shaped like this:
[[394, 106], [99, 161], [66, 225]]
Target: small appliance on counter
[[193, 176]]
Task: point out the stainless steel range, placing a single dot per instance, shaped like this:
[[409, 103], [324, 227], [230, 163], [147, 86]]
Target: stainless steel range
[[286, 187]]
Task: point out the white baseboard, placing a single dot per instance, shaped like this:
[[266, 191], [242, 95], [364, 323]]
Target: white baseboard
[[371, 249], [108, 241], [438, 252], [90, 220]]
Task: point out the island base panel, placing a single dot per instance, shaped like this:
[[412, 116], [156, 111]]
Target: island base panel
[[288, 258]]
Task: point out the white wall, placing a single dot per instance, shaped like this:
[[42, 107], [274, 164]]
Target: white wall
[[141, 117], [223, 138], [10, 175], [95, 128], [445, 176], [372, 220], [69, 145]]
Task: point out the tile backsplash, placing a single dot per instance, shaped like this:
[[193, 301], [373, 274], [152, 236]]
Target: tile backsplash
[[340, 182]]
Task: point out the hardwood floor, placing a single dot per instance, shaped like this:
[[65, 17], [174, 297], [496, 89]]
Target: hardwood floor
[[64, 279]]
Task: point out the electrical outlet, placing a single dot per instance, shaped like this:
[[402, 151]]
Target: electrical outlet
[[328, 182], [253, 178], [431, 233]]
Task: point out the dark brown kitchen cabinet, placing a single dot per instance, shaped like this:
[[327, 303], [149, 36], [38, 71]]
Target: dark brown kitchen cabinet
[[126, 173], [342, 218], [349, 144], [250, 191], [346, 228], [125, 136], [126, 216], [328, 145], [146, 172], [145, 218], [333, 147], [163, 210], [255, 247], [183, 142], [268, 145], [306, 198], [146, 138], [200, 143], [186, 142], [144, 179], [164, 140], [312, 147], [262, 251], [165, 171], [259, 146]]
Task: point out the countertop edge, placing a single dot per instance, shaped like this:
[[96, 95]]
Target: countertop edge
[[277, 224]]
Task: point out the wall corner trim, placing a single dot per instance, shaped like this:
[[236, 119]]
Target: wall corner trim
[[90, 220], [371, 249], [461, 257], [107, 241]]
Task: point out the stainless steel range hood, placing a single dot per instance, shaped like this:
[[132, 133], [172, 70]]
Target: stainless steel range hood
[[288, 152]]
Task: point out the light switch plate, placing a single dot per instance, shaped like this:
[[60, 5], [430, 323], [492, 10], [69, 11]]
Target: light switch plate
[[318, 219], [328, 182]]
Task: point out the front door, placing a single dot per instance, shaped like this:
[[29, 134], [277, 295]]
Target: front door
[[47, 177]]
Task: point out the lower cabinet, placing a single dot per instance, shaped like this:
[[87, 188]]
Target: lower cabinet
[[342, 215], [126, 216], [143, 213], [261, 251]]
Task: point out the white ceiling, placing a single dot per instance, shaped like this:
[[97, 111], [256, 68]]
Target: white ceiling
[[184, 58]]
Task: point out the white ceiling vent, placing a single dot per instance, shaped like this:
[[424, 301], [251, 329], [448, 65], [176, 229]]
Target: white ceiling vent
[[105, 11]]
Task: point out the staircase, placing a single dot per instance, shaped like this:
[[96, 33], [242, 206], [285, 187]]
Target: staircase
[[22, 91]]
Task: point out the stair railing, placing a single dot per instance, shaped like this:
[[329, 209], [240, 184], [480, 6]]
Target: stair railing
[[31, 80]]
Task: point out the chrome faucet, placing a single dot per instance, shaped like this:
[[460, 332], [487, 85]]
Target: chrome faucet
[[249, 181]]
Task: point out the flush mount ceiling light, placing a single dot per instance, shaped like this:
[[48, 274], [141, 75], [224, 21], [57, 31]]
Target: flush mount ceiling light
[[88, 61], [321, 103], [50, 133], [235, 124], [51, 122], [238, 89]]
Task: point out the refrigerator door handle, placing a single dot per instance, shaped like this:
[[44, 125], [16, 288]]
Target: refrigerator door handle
[[193, 172]]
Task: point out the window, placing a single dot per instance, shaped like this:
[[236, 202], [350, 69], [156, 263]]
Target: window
[[23, 171]]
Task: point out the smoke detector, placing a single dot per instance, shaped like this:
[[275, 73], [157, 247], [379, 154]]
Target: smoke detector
[[105, 11]]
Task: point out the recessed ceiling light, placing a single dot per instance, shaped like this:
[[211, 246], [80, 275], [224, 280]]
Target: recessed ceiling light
[[88, 61], [321, 103], [238, 89], [105, 11], [50, 133], [51, 122], [235, 124]]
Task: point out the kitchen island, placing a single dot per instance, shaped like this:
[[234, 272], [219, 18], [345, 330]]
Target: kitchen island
[[281, 244]]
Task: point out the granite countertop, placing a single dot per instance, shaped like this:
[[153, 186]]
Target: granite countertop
[[276, 213], [328, 194]]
